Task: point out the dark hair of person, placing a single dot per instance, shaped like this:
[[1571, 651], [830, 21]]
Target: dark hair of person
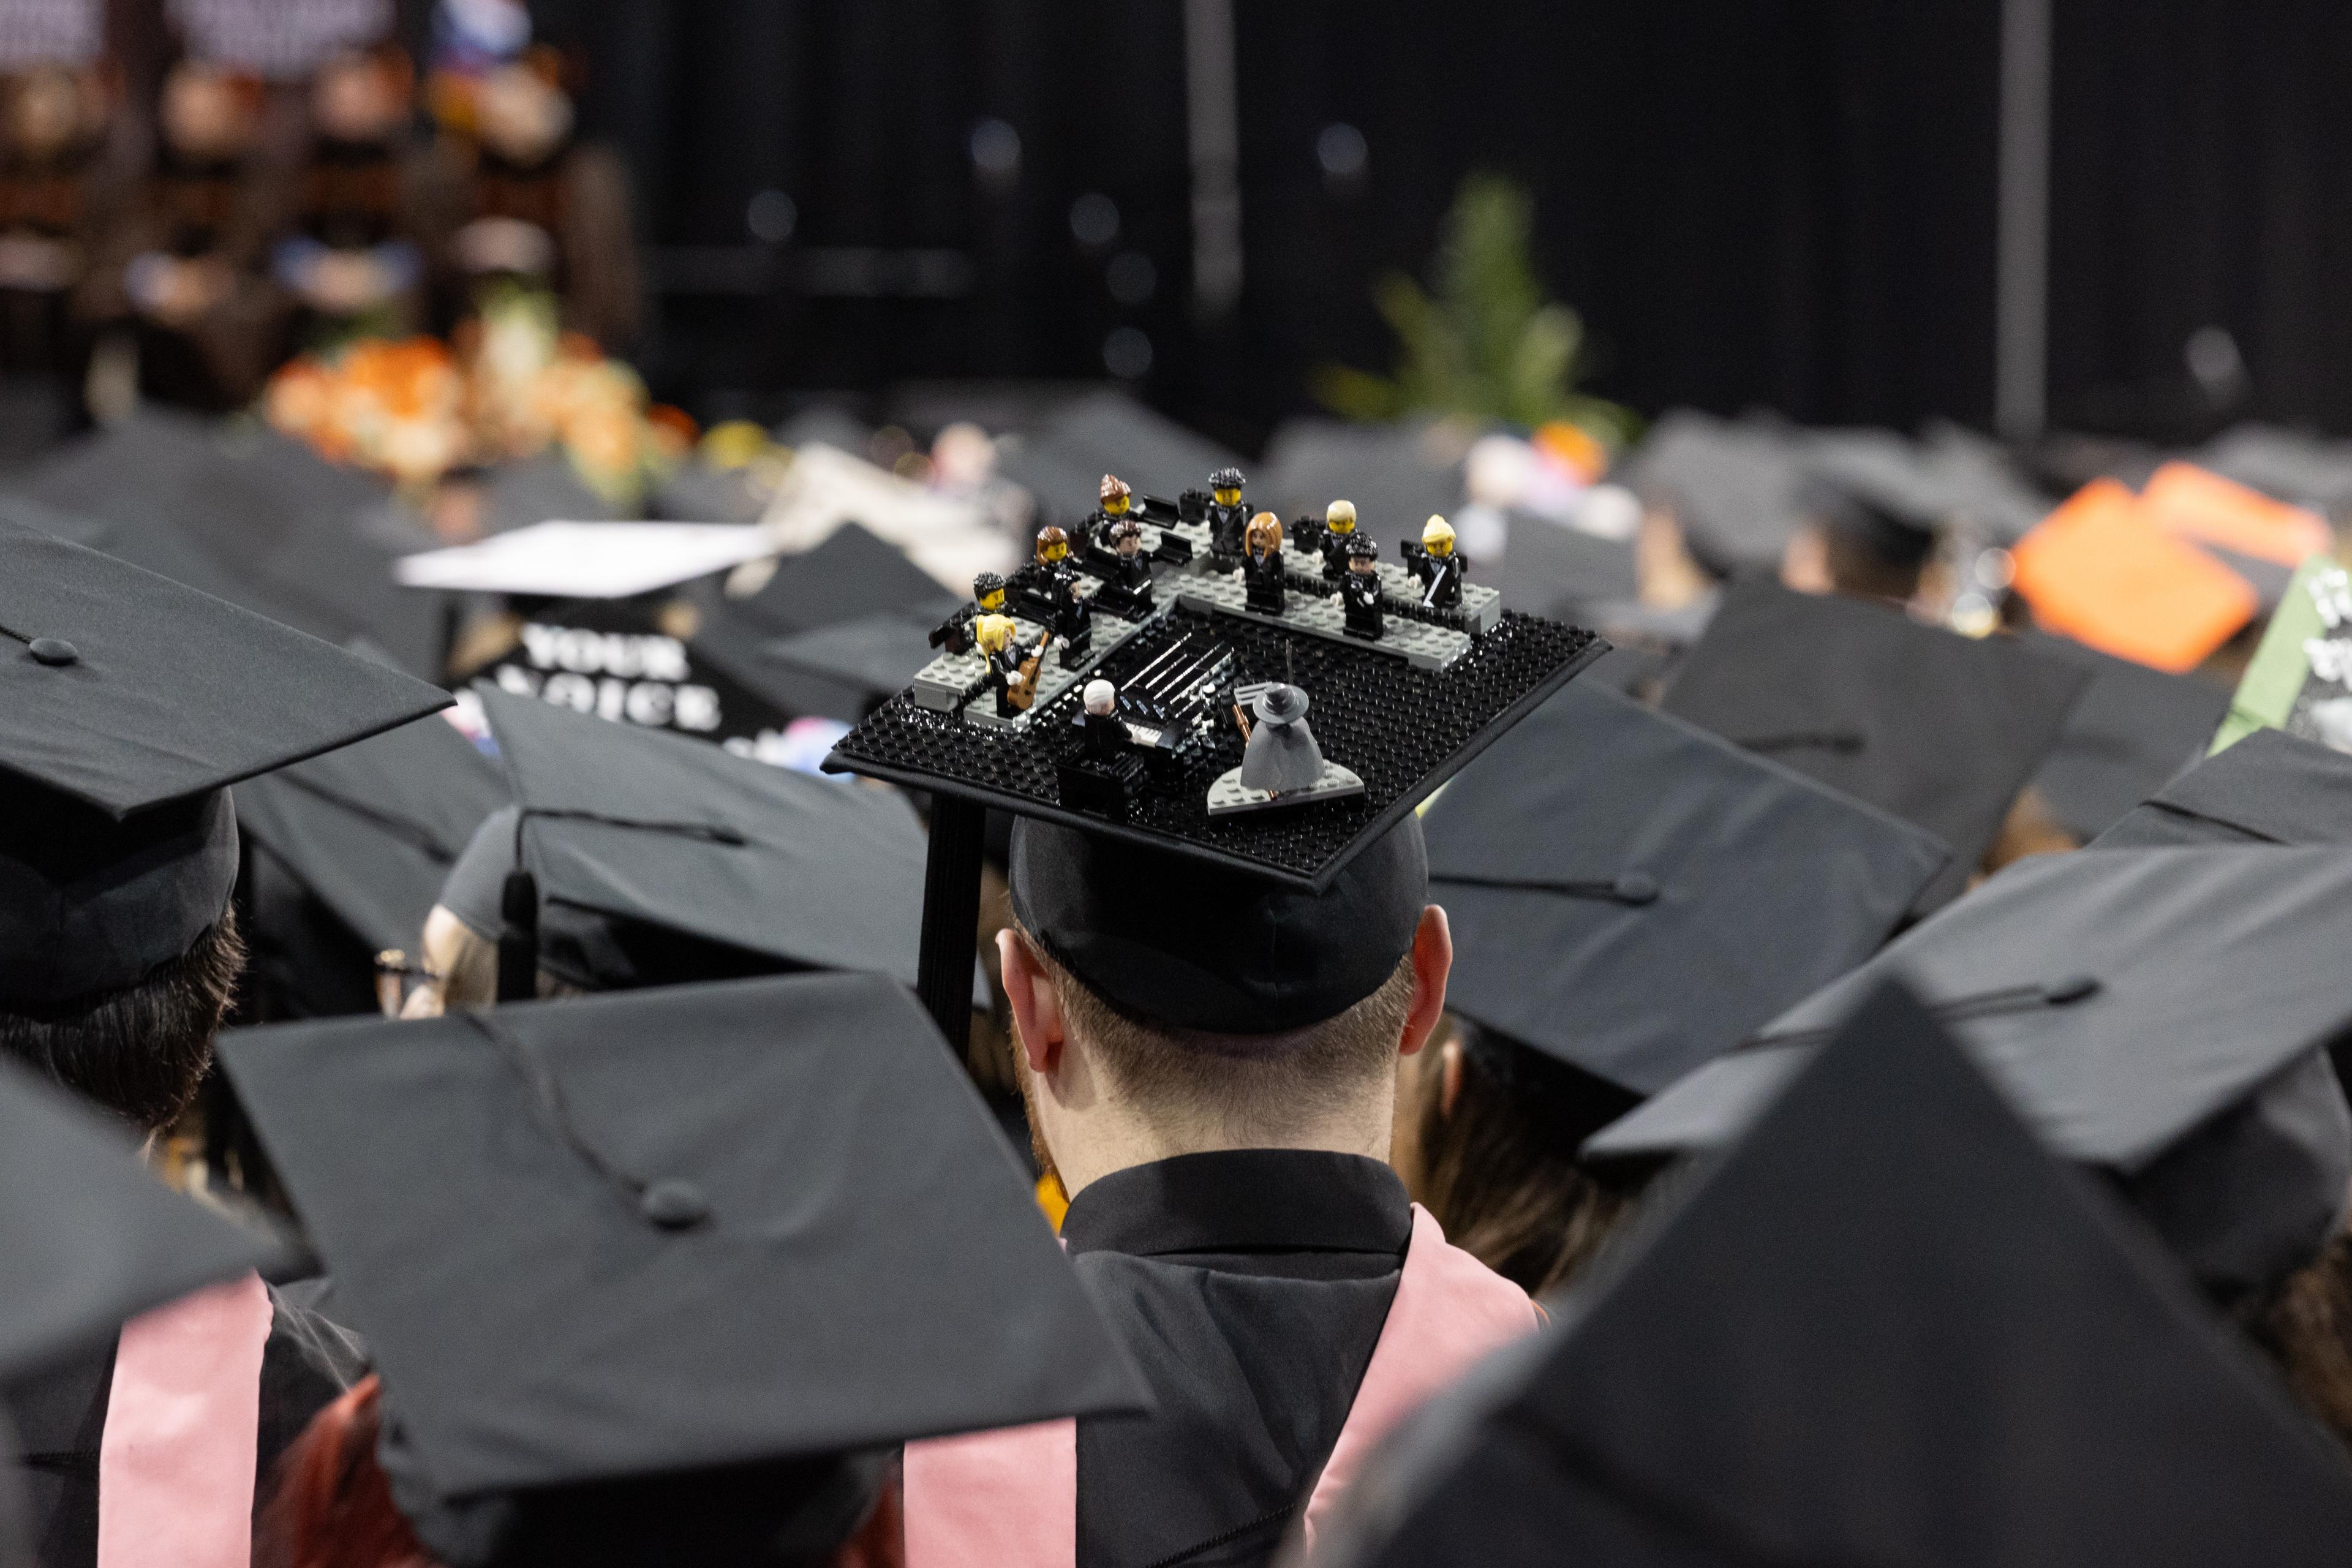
[[1499, 1171], [2305, 1327], [141, 1050]]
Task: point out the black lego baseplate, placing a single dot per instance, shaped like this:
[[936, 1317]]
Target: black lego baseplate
[[1405, 731]]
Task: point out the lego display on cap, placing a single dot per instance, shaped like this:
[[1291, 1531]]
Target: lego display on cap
[[1884, 1327], [637, 1238], [2099, 570], [1940, 729]]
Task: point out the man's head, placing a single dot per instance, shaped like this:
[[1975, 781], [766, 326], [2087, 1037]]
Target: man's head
[[1226, 484], [1115, 495], [1053, 545], [1340, 517], [988, 593], [1165, 1006]]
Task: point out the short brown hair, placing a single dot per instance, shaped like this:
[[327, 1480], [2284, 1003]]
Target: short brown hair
[[141, 1050], [1243, 1085]]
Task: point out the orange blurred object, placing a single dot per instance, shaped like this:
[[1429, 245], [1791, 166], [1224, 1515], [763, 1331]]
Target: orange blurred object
[[2101, 570], [1573, 448], [2182, 498]]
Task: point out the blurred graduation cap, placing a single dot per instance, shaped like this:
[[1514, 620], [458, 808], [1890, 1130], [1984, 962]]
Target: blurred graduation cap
[[1553, 569], [2292, 465], [2161, 1015], [2261, 540], [1398, 475], [2134, 730], [1938, 729], [1884, 1327], [1630, 896], [1734, 487], [873, 658], [1062, 461], [90, 1235], [571, 560], [1980, 486], [127, 703], [2269, 788], [653, 858], [637, 1236], [849, 574], [273, 523], [362, 838], [2099, 571], [1870, 488], [522, 492]]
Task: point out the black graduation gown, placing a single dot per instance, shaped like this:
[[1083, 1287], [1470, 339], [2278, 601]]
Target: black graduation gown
[[1250, 1288], [59, 1416]]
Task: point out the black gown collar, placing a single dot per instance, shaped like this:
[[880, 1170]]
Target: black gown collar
[[1241, 1201]]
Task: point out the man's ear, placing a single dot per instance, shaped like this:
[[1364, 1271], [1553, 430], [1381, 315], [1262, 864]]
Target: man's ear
[[1037, 1006], [1432, 961]]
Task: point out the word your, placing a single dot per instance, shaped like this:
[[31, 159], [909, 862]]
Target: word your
[[642, 677]]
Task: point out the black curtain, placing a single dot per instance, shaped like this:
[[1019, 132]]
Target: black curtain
[[1782, 203]]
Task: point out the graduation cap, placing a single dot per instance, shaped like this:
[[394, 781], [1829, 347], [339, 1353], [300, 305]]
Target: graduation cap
[[1869, 486], [1631, 895], [359, 840], [275, 523], [1398, 475], [127, 703], [873, 658], [1938, 729], [638, 1235], [1553, 569], [2269, 788], [2292, 465], [2161, 1015], [2098, 570], [653, 857], [2134, 730], [1062, 461], [1884, 1327], [849, 574], [90, 1235], [1981, 488], [1734, 487]]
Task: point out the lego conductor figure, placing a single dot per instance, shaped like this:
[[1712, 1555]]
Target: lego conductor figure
[[1339, 533], [1262, 564], [1281, 756], [1106, 734], [1359, 590], [1227, 516], [1439, 568]]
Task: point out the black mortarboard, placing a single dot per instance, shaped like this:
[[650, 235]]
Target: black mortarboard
[[644, 1233], [372, 829], [849, 574], [1732, 486], [127, 702], [274, 519], [91, 1238], [1869, 486], [2134, 730], [1884, 1328], [1938, 729], [1631, 895], [1552, 569], [2270, 787], [2161, 1015], [875, 656], [636, 839], [1982, 489]]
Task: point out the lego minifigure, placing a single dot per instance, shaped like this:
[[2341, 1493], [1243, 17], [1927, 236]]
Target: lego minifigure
[[1105, 731], [1227, 517], [954, 634], [1434, 561], [1070, 617], [1012, 668], [1125, 572], [1359, 590], [1281, 756], [1262, 564], [1104, 521], [1338, 531]]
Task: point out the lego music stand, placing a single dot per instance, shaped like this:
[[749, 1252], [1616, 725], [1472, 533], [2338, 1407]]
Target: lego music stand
[[1401, 723]]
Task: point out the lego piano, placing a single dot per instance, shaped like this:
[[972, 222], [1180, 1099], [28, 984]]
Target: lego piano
[[1407, 671]]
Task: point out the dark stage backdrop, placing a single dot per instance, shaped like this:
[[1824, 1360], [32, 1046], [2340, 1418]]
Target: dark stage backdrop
[[1771, 202]]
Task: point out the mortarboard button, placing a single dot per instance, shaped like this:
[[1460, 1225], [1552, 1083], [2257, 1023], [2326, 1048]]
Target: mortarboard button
[[2066, 992], [53, 651], [675, 1203], [1635, 888]]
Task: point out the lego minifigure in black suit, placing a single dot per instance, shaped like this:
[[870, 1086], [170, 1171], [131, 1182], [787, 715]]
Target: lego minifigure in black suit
[[1338, 531], [1360, 590], [1227, 517], [1262, 564], [1439, 568]]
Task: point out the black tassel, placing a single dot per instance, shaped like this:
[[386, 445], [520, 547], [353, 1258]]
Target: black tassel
[[519, 937]]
